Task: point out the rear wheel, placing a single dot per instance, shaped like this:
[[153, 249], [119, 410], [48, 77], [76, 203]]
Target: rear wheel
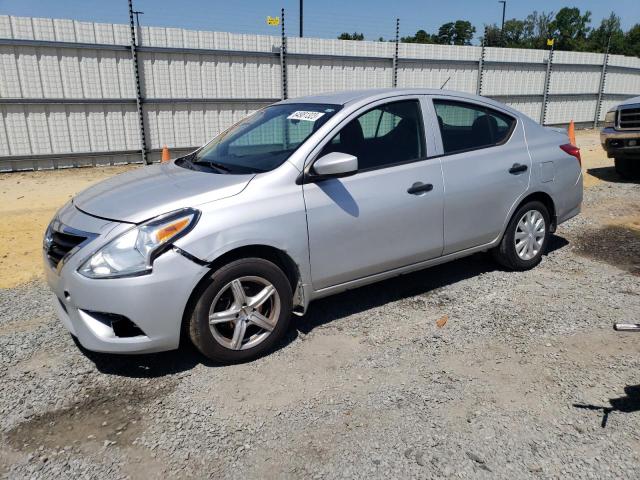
[[526, 237], [243, 311]]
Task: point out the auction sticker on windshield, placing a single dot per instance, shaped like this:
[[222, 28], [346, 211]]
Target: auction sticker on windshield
[[305, 115]]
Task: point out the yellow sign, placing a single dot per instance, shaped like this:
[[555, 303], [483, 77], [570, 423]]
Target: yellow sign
[[550, 42], [273, 21]]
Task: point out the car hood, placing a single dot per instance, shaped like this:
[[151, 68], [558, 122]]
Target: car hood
[[630, 101], [149, 191]]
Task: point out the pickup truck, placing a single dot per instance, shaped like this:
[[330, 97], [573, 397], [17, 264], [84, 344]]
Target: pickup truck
[[620, 137]]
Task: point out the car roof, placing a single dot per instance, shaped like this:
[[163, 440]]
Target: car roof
[[343, 97], [353, 96]]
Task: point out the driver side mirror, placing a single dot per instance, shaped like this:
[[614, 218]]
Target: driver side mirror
[[335, 164]]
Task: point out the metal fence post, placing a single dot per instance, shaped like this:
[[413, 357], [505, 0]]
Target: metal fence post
[[136, 72], [481, 64], [547, 82], [394, 79], [283, 59], [603, 78]]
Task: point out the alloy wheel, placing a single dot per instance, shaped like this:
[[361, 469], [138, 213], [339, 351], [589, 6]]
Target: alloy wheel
[[244, 312]]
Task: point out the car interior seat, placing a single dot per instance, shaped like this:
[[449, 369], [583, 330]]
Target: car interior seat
[[483, 130]]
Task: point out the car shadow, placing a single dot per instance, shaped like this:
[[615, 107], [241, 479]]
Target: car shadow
[[417, 283], [148, 365], [609, 174], [320, 312], [629, 403]]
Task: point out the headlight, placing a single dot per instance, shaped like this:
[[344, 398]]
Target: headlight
[[610, 119], [133, 252], [48, 236]]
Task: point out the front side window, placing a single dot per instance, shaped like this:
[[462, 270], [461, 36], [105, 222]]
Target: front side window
[[381, 137], [262, 141], [465, 126]]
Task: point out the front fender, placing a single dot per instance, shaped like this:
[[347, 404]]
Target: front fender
[[269, 212]]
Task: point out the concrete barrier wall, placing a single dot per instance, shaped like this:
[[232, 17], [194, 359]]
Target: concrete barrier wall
[[68, 89]]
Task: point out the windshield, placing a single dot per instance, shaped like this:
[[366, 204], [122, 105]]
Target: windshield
[[262, 141]]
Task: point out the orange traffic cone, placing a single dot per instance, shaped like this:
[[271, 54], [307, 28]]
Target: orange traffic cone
[[572, 133], [165, 155]]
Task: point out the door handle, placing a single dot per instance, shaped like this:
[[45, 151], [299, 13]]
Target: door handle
[[517, 168], [419, 187]]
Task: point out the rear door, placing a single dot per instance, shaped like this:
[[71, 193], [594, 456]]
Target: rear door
[[486, 168], [375, 221]]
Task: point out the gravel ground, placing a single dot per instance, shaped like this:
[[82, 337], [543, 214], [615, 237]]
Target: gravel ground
[[524, 380]]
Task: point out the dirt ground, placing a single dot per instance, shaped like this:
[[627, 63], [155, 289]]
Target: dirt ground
[[525, 379], [28, 201]]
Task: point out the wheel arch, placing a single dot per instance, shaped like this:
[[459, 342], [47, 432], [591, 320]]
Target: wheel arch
[[266, 252], [547, 201]]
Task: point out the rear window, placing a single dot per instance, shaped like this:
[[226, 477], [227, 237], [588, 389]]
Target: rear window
[[466, 126]]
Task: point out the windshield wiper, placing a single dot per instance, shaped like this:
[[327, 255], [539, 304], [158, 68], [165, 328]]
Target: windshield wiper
[[216, 165], [188, 162]]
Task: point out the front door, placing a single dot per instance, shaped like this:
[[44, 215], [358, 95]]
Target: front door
[[387, 215]]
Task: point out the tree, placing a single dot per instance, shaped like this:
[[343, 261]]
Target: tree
[[351, 36], [463, 32], [570, 28], [513, 35], [491, 35], [459, 32], [537, 29], [632, 41], [446, 33], [609, 29], [421, 36]]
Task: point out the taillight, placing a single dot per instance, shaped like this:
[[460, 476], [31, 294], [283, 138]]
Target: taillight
[[572, 150]]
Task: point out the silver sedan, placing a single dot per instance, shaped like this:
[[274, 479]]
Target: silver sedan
[[303, 199]]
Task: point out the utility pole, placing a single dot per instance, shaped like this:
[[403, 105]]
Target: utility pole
[[138, 31], [504, 8], [136, 13], [301, 22]]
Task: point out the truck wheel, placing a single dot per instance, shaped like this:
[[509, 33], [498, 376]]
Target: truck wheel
[[243, 311], [624, 167], [525, 239]]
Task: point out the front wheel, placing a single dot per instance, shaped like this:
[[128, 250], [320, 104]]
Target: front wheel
[[242, 312], [525, 239]]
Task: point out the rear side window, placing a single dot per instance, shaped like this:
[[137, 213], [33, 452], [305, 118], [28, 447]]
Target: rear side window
[[386, 135], [465, 126]]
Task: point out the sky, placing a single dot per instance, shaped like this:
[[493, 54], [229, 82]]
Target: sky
[[322, 18]]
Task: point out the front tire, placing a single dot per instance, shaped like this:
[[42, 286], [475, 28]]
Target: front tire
[[243, 311], [525, 240]]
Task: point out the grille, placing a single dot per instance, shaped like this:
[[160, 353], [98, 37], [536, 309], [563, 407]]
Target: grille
[[61, 244], [629, 118]]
